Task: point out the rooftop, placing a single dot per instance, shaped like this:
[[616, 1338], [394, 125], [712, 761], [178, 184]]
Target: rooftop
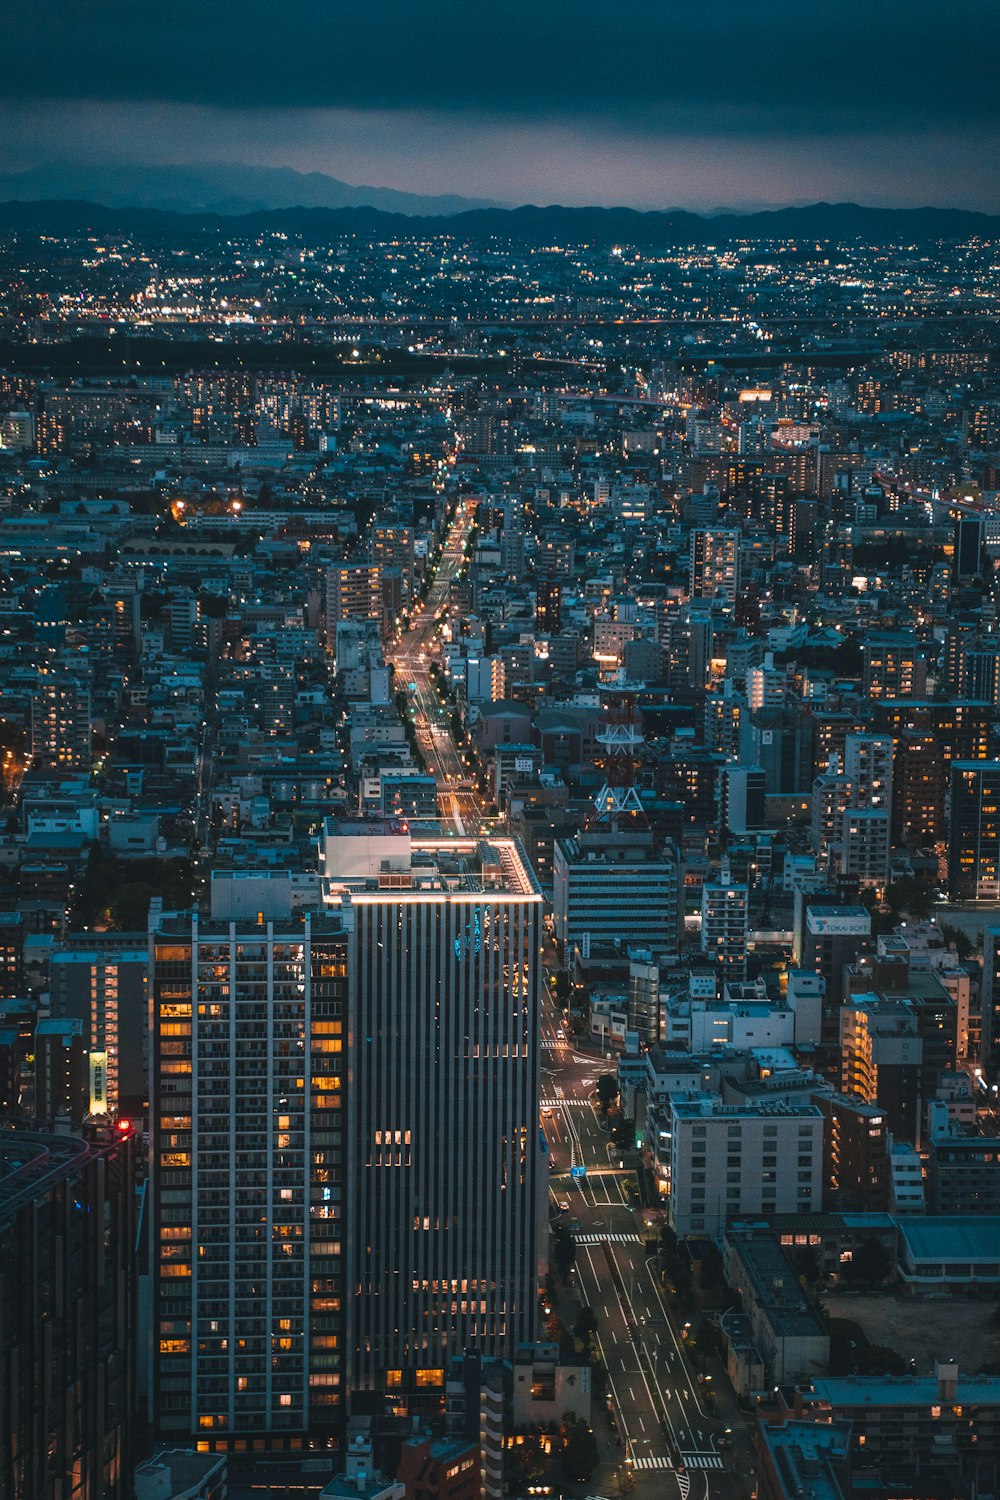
[[952, 1237], [411, 868]]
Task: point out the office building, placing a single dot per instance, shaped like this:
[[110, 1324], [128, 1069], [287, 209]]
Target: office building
[[246, 1180], [963, 1174], [67, 1314], [444, 1237], [730, 1161], [974, 844], [832, 937], [790, 1338], [610, 887]]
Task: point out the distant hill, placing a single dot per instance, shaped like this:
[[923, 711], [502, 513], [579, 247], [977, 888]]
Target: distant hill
[[539, 226], [213, 187]]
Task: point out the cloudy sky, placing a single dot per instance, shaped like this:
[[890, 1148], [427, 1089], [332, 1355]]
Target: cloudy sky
[[648, 102]]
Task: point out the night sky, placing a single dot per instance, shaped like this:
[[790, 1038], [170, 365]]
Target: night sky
[[725, 102]]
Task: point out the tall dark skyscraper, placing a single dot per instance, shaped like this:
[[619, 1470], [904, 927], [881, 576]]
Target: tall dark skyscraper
[[67, 1314], [445, 1184], [247, 1180]]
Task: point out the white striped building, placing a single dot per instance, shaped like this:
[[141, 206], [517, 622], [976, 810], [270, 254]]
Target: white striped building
[[445, 1177]]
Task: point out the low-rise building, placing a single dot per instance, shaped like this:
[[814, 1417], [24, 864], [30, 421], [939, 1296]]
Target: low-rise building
[[787, 1331]]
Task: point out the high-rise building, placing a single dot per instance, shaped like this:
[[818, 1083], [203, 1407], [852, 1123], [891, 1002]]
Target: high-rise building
[[868, 766], [968, 553], [444, 1181], [548, 606], [67, 1314], [864, 844], [60, 720], [362, 591], [608, 885], [881, 1053], [104, 986], [246, 1179], [724, 922], [974, 844], [894, 666], [715, 563], [742, 799]]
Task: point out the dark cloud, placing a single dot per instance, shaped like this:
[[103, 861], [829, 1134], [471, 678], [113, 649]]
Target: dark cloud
[[655, 66]]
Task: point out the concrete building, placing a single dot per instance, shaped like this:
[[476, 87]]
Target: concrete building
[[974, 843], [881, 1054], [548, 1387], [787, 1331], [725, 917], [247, 1131], [727, 1162], [68, 1330], [616, 887], [444, 1176], [714, 563], [865, 842]]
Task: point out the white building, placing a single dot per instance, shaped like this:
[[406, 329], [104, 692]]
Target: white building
[[725, 913], [865, 841], [727, 1162]]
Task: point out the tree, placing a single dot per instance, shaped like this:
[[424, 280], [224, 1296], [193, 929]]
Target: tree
[[877, 1359], [585, 1327], [563, 1252], [961, 940], [562, 991], [580, 1455], [871, 1264], [607, 1090], [807, 1264]]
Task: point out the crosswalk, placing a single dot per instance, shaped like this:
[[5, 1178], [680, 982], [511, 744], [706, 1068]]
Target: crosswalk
[[555, 1103], [689, 1460], [702, 1461], [609, 1239]]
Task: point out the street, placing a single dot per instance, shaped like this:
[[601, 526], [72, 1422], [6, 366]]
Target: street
[[669, 1437], [411, 655]]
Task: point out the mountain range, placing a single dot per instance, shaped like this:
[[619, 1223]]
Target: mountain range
[[213, 187], [66, 214]]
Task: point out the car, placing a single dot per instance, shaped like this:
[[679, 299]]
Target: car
[[546, 1113], [561, 1033], [563, 1205]]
